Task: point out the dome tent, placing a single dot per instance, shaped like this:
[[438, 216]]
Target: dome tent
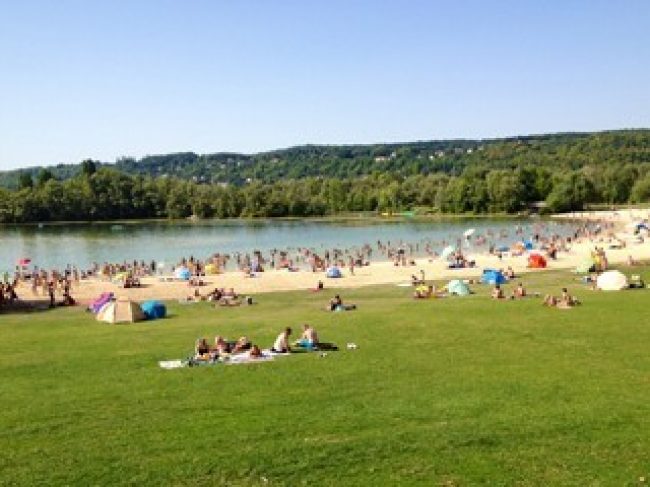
[[536, 261], [121, 311], [334, 272], [611, 281], [492, 276], [458, 287], [154, 310], [101, 301], [182, 273], [211, 269]]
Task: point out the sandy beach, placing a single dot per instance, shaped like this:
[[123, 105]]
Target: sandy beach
[[380, 272]]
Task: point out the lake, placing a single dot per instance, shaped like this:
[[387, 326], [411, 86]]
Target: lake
[[57, 245]]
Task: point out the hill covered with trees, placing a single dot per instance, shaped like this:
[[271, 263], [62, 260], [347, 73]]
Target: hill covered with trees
[[453, 176]]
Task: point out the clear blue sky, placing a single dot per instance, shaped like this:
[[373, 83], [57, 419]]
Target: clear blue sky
[[103, 79]]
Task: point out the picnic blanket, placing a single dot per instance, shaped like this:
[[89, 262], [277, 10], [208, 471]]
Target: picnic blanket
[[242, 358]]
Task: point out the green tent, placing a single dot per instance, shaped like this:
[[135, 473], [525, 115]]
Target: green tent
[[458, 287]]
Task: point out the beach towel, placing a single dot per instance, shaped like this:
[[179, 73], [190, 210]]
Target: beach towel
[[244, 358]]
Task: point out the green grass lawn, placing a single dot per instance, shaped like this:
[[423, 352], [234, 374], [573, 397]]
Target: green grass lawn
[[457, 391]]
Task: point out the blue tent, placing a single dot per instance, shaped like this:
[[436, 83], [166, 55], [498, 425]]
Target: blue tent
[[492, 276], [183, 273], [334, 272], [154, 310]]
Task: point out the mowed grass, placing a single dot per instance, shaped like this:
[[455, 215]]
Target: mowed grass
[[456, 391]]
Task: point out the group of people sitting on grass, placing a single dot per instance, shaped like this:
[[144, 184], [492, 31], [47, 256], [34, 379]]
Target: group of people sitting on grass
[[518, 293], [564, 301], [223, 349]]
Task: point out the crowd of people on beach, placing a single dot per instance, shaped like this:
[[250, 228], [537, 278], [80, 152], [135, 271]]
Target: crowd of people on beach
[[57, 284]]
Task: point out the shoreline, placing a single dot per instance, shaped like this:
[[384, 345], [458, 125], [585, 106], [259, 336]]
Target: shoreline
[[342, 217], [380, 272]]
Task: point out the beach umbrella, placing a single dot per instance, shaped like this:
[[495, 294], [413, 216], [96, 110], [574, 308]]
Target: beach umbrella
[[469, 232], [447, 251], [24, 261]]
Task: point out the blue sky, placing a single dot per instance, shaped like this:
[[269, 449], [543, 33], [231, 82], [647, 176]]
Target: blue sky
[[105, 79]]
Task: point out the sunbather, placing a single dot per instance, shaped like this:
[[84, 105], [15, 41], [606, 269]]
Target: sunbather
[[336, 304], [497, 292], [309, 337], [423, 292], [550, 300], [255, 352], [242, 345], [567, 300], [221, 346], [202, 350], [520, 291], [281, 344]]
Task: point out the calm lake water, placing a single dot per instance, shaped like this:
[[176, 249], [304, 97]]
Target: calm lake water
[[82, 244]]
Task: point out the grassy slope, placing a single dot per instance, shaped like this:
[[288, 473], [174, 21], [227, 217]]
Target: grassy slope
[[457, 391]]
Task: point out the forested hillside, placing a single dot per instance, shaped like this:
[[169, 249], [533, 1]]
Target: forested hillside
[[505, 175]]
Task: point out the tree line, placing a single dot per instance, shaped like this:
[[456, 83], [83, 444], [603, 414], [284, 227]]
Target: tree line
[[560, 152], [96, 194]]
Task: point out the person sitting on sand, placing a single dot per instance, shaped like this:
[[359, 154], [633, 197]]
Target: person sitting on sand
[[215, 295], [520, 291], [281, 344], [230, 294], [68, 300], [309, 337], [497, 292], [242, 345]]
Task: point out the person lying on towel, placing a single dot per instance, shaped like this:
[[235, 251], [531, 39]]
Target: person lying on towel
[[336, 304]]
